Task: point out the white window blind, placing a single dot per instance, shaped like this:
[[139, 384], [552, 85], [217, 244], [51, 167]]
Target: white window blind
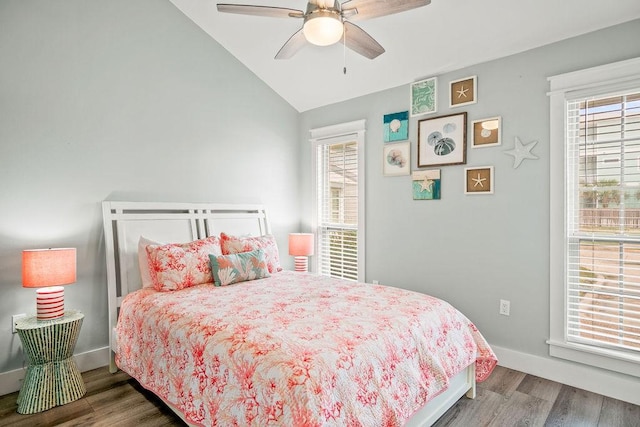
[[603, 221], [339, 201], [338, 209]]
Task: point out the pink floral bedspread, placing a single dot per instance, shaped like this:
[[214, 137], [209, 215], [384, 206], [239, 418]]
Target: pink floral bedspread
[[296, 350]]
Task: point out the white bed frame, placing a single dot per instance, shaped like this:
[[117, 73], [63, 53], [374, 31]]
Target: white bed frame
[[125, 222]]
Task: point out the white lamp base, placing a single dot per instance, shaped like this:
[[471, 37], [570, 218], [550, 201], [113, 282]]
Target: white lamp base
[[50, 303], [301, 264]]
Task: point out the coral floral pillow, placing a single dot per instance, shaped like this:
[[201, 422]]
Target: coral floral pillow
[[236, 245], [229, 269], [178, 266], [143, 261]]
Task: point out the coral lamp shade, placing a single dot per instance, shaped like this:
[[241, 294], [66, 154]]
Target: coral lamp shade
[[48, 267], [300, 247], [300, 244]]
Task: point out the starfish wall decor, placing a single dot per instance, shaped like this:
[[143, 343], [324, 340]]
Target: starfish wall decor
[[426, 184], [478, 180], [463, 91], [521, 152]]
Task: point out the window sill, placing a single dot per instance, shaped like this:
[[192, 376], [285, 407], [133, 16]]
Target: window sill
[[612, 360]]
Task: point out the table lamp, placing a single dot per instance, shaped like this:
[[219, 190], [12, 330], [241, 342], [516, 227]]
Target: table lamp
[[48, 269], [300, 247]]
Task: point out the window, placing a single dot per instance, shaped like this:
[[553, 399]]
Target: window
[[603, 233], [595, 217], [339, 221]]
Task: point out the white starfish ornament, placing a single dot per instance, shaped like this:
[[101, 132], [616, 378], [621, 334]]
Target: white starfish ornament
[[478, 181], [521, 152], [426, 185]]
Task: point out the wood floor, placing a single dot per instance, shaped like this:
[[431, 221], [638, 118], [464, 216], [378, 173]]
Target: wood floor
[[507, 398]]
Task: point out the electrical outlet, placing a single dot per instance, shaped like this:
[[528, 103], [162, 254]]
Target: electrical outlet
[[14, 319], [505, 307], [375, 282]]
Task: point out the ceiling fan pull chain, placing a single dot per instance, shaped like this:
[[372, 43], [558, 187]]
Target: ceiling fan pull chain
[[344, 52]]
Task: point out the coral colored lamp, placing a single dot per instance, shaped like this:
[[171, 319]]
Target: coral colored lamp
[[301, 247], [48, 269]]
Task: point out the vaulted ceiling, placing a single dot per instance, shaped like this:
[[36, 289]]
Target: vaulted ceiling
[[443, 36]]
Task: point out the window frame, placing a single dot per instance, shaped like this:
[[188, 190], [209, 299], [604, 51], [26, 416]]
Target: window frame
[[341, 133], [596, 81]]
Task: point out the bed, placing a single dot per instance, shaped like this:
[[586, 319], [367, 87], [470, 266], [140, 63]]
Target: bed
[[280, 348]]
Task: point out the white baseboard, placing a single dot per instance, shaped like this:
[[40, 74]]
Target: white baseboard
[[607, 383], [12, 381]]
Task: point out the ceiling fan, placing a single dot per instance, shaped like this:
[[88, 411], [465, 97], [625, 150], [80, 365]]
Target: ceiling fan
[[328, 21]]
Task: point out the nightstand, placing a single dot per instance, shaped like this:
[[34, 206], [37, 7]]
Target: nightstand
[[52, 378]]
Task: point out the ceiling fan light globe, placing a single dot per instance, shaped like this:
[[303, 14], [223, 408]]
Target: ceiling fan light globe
[[323, 30]]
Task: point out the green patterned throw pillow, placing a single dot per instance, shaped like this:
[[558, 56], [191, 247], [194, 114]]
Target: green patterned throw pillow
[[241, 267]]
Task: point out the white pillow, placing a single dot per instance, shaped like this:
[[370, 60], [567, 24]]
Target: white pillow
[[143, 261]]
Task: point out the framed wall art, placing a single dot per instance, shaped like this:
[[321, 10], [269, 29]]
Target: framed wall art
[[478, 180], [426, 184], [396, 159], [442, 140], [424, 97], [463, 91], [396, 126], [486, 132]]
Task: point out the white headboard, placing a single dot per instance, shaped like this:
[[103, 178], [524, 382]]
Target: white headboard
[[125, 222]]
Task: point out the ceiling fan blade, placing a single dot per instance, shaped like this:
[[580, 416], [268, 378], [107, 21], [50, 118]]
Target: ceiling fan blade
[[360, 42], [368, 9], [292, 46], [247, 9]]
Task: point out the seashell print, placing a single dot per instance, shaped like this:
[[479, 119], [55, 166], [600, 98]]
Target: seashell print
[[449, 127], [433, 138], [396, 158], [444, 146]]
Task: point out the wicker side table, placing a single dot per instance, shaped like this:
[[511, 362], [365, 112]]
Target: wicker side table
[[52, 377]]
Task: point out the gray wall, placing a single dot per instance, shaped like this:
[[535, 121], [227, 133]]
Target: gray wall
[[474, 250], [129, 100], [123, 100]]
